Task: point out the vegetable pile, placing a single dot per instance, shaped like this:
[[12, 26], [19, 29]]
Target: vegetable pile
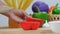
[[40, 14], [40, 10], [54, 9]]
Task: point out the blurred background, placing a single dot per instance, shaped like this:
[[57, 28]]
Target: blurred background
[[4, 19]]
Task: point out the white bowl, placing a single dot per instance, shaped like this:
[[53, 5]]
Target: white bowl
[[55, 26]]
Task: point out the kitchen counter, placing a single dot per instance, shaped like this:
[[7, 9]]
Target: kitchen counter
[[21, 31]]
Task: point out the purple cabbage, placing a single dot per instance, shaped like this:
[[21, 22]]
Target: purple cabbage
[[42, 6]]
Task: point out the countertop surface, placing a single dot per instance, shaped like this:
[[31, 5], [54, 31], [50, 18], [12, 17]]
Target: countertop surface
[[21, 31]]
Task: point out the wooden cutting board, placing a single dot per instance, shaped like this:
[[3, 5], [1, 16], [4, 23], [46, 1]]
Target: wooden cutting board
[[21, 31]]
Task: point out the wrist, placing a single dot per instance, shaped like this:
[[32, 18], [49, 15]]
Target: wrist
[[4, 9]]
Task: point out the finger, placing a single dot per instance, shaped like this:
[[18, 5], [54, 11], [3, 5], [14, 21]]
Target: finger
[[18, 13], [16, 18], [26, 15], [24, 12]]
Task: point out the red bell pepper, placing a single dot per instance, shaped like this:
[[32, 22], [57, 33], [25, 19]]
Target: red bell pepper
[[51, 9], [31, 23], [34, 20], [26, 25], [35, 25]]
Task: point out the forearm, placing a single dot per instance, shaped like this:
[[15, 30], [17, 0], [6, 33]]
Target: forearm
[[3, 7]]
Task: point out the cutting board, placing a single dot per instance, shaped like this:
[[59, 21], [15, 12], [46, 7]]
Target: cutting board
[[21, 31]]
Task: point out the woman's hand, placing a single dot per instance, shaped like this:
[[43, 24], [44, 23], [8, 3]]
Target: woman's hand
[[16, 15]]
